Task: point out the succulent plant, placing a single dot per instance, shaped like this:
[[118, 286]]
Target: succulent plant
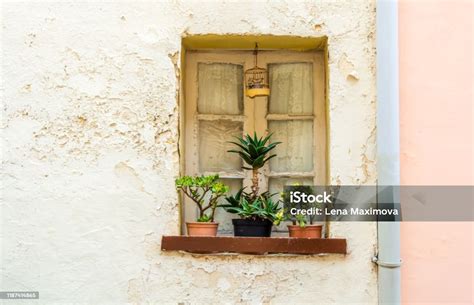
[[249, 207], [205, 191], [254, 151]]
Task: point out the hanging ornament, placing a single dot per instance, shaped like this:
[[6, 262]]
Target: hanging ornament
[[256, 79]]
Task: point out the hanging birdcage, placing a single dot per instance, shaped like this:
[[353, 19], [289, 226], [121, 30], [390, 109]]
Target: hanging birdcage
[[256, 79]]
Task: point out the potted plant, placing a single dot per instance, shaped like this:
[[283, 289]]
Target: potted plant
[[257, 211], [257, 214], [301, 228], [205, 191], [302, 225]]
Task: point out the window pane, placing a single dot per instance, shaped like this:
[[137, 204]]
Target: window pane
[[295, 154], [291, 88], [220, 88], [213, 146], [222, 217]]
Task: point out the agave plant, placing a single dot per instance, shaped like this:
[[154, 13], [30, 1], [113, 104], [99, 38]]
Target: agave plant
[[261, 207], [254, 151], [235, 202]]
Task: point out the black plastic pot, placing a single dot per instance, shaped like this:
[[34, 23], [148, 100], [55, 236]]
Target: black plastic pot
[[253, 228]]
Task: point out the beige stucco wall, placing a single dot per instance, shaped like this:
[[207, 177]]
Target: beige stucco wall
[[90, 153]]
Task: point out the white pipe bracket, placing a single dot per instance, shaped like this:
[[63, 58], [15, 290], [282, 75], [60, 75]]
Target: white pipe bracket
[[375, 260]]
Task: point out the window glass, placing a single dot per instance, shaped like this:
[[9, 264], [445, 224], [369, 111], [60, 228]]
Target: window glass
[[295, 153], [222, 217], [220, 88], [291, 87], [213, 146]]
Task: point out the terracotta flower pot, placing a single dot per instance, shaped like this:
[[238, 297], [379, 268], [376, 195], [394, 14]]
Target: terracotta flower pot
[[202, 228], [309, 231]]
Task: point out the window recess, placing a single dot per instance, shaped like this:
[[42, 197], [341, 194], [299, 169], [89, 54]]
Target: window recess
[[216, 110]]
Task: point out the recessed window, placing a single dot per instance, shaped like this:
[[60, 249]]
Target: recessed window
[[216, 110]]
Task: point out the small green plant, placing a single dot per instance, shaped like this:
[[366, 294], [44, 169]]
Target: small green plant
[[205, 191], [255, 208], [261, 207], [299, 219], [254, 151]]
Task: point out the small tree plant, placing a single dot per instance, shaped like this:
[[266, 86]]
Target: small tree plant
[[205, 191], [255, 153]]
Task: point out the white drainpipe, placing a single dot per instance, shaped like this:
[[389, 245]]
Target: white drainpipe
[[388, 148]]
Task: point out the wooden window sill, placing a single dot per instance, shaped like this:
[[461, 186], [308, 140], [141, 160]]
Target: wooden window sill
[[253, 245]]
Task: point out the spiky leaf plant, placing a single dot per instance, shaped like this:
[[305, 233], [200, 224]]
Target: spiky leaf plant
[[254, 151], [261, 207]]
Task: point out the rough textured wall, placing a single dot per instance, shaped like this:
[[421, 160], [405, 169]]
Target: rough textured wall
[[90, 135]]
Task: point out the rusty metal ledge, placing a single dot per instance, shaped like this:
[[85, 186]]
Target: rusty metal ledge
[[253, 245]]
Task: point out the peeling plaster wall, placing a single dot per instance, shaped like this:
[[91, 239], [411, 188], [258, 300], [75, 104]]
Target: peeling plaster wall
[[90, 153]]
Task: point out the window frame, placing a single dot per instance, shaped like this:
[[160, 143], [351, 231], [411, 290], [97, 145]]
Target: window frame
[[255, 116]]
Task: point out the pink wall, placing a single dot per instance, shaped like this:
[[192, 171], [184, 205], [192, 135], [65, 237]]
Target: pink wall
[[436, 121]]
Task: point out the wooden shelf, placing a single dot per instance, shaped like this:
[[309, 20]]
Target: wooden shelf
[[253, 245]]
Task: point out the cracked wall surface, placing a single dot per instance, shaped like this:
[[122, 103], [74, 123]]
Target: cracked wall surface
[[90, 152]]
